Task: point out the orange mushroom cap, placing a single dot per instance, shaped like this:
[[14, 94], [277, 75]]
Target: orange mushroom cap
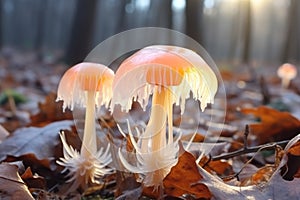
[[85, 77], [158, 63], [179, 69], [287, 71]]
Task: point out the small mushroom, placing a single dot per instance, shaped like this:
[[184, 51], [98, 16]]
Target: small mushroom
[[169, 74], [286, 72], [85, 85]]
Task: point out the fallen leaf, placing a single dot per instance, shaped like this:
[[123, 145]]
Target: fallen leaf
[[133, 194], [3, 133], [292, 168], [12, 123], [50, 111], [261, 176], [35, 143], [11, 184], [197, 138], [275, 188], [274, 125], [127, 185], [33, 180], [184, 178], [220, 167]]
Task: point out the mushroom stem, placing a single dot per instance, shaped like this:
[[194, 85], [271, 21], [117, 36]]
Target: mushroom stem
[[156, 127], [285, 82], [170, 118], [89, 145]]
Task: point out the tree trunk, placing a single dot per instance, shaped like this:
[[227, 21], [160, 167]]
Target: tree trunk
[[39, 39], [1, 24], [81, 32], [161, 13], [247, 37], [290, 45], [194, 11]]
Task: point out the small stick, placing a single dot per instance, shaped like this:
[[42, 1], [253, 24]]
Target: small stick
[[246, 133], [239, 152]]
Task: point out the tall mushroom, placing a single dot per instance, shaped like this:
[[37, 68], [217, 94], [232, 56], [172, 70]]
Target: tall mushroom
[[169, 73], [87, 85], [286, 72]]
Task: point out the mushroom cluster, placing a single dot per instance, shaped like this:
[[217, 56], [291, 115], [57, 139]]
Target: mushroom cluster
[[166, 75]]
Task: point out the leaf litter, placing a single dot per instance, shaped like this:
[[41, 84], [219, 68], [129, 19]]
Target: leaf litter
[[30, 135]]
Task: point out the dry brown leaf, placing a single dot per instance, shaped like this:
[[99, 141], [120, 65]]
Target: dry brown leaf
[[235, 145], [33, 144], [50, 111], [184, 178], [274, 125], [11, 184], [33, 180], [220, 167], [198, 137], [292, 168], [295, 149], [273, 187], [127, 186], [261, 176]]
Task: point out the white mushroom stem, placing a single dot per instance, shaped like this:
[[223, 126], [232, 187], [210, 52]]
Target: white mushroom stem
[[285, 82], [89, 145], [156, 127]]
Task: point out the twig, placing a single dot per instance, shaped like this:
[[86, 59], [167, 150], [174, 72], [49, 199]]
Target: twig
[[246, 133], [264, 91], [239, 152]]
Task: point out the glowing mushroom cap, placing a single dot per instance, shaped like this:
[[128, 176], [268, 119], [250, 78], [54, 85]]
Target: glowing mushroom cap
[[287, 71], [85, 77], [179, 69]]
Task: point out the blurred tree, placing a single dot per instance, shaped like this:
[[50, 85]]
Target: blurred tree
[[160, 14], [194, 12], [41, 7], [290, 50], [1, 25], [81, 32], [246, 55], [116, 22], [247, 32]]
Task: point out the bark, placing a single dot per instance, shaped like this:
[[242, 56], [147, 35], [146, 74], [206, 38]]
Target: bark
[[81, 32], [247, 31], [161, 13], [290, 49], [194, 13], [1, 25]]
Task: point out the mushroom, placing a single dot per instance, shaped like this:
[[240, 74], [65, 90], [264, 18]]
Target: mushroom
[[286, 72], [170, 74], [86, 85]]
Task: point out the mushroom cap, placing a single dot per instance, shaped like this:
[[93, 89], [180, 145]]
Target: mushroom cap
[[84, 77], [179, 69], [287, 71]]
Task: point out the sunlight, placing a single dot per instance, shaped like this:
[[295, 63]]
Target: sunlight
[[142, 4], [178, 5], [256, 3], [209, 4]]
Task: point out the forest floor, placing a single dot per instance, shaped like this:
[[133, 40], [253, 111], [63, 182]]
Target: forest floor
[[257, 156]]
